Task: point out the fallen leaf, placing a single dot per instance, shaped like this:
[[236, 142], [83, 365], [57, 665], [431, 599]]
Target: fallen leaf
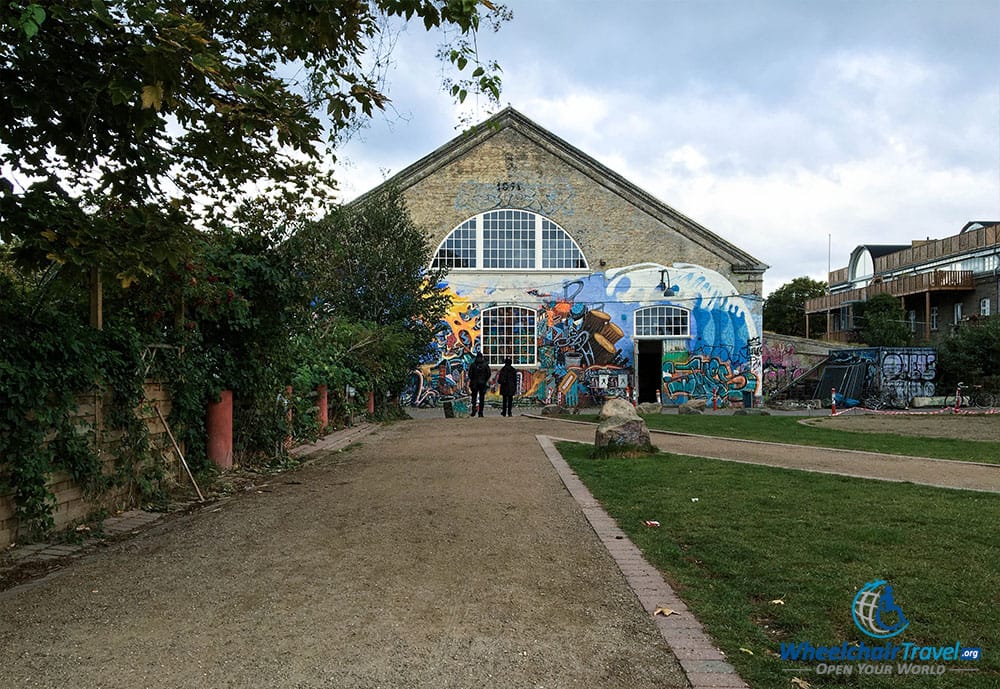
[[800, 683], [746, 650], [666, 612], [651, 523], [694, 499], [778, 601]]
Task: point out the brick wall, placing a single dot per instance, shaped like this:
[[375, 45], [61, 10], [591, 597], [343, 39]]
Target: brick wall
[[71, 505], [607, 219]]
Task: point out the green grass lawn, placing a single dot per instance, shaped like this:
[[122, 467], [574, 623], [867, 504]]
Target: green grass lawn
[[787, 429], [759, 534]]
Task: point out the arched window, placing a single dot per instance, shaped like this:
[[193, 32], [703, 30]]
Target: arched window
[[509, 331], [509, 240], [662, 321]]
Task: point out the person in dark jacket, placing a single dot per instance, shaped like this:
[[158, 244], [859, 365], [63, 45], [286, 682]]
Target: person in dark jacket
[[479, 379], [507, 378]]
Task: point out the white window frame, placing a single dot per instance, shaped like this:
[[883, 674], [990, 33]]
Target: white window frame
[[958, 313], [550, 243], [934, 318], [911, 318], [660, 321], [984, 306], [522, 347]]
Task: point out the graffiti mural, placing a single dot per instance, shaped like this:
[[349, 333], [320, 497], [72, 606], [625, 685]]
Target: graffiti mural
[[584, 336], [780, 365], [905, 372]]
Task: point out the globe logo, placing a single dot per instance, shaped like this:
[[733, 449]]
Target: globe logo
[[875, 611]]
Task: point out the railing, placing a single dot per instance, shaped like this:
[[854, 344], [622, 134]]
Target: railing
[[931, 250], [935, 281], [939, 248]]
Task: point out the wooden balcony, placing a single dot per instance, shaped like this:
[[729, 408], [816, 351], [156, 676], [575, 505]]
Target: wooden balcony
[[935, 281], [923, 252]]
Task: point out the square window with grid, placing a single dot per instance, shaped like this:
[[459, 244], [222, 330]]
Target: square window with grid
[[509, 331], [459, 249], [508, 239], [662, 321], [558, 248]]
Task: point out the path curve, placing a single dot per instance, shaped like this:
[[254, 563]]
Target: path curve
[[941, 473]]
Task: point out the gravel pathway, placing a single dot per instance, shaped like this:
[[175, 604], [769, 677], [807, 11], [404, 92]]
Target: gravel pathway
[[436, 553]]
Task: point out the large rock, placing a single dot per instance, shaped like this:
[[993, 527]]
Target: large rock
[[695, 406], [625, 432], [616, 406], [649, 408], [553, 410]]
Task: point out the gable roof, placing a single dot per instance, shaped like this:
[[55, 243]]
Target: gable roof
[[509, 118]]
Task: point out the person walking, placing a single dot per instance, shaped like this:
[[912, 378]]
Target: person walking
[[507, 378], [479, 379]]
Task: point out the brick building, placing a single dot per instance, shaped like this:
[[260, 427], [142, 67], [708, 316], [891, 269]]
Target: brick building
[[941, 283], [593, 287]]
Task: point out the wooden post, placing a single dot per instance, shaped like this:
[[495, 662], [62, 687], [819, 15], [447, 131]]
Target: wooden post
[[927, 316], [322, 412], [288, 417], [96, 299]]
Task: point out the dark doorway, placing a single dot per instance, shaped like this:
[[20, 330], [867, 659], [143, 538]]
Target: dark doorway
[[649, 368]]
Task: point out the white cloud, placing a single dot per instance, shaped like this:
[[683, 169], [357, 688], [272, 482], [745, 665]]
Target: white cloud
[[798, 122]]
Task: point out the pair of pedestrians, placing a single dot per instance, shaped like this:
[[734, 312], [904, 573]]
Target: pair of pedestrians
[[479, 379]]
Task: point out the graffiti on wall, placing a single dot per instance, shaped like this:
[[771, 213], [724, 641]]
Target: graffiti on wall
[[583, 337], [552, 198], [905, 372], [780, 365]]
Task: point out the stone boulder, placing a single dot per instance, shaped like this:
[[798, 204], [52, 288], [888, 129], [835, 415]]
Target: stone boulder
[[616, 406], [552, 410], [649, 408], [695, 406], [627, 433]]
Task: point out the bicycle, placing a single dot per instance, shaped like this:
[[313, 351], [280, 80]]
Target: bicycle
[[885, 399], [978, 398]]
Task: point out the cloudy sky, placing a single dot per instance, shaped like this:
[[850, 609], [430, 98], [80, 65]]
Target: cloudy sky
[[781, 125]]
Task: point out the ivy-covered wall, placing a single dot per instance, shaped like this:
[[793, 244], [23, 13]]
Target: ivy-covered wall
[[72, 502]]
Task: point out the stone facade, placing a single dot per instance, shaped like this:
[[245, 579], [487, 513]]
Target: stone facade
[[639, 254]]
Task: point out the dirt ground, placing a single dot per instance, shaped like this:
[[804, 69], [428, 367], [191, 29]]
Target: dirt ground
[[437, 553], [964, 426]]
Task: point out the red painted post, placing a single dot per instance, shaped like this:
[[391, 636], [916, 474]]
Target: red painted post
[[371, 401], [958, 398], [833, 401], [220, 431], [322, 413]]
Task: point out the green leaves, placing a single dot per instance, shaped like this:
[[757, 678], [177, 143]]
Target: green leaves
[[145, 101], [31, 19], [784, 309]]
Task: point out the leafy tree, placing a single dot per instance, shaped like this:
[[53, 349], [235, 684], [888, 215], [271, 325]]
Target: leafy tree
[[882, 322], [374, 300], [124, 123], [971, 355], [784, 309]]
